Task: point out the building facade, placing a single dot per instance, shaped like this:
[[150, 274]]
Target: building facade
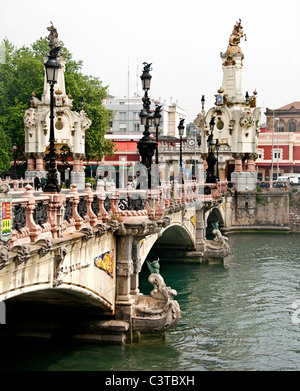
[[279, 143], [127, 120], [126, 129]]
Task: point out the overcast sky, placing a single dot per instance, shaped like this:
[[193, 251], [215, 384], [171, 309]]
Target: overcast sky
[[181, 38]]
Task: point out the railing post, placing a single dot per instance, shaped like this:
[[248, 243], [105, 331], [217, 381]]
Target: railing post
[[76, 216], [90, 197], [34, 229], [55, 213]]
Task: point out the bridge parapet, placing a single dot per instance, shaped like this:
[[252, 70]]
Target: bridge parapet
[[51, 215], [16, 184]]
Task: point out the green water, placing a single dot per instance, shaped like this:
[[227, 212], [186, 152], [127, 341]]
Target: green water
[[236, 316]]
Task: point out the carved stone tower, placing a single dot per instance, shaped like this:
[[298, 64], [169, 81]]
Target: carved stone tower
[[69, 126], [237, 119]]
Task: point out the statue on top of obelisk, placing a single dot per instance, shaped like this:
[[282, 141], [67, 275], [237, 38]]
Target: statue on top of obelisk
[[53, 40], [235, 39]]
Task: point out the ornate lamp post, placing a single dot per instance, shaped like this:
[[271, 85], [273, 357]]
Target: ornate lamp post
[[52, 66], [211, 159], [146, 145], [202, 101], [181, 130], [157, 117], [217, 146], [15, 159]]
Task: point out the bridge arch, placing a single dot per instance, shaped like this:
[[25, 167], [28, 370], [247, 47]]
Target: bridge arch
[[175, 238], [63, 297]]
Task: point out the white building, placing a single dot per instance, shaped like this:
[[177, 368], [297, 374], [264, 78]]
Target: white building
[[127, 120]]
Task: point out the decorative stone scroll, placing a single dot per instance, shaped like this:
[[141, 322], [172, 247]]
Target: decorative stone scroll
[[22, 253], [46, 245]]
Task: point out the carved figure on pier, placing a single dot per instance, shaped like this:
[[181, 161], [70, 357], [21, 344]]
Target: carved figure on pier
[[153, 266], [159, 311]]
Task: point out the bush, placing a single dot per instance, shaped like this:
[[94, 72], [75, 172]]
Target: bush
[[260, 199]]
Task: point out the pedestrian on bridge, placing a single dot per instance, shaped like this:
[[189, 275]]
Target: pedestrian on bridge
[[36, 183]]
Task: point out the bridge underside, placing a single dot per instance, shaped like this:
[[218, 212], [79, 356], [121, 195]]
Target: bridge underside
[[56, 314], [55, 300], [174, 240]]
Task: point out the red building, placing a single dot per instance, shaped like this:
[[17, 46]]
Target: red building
[[279, 143]]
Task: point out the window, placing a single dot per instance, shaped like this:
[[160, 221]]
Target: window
[[122, 115], [136, 127], [260, 153], [122, 126], [259, 176], [292, 127], [136, 116], [277, 154]]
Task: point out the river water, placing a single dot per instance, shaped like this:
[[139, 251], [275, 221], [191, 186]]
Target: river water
[[240, 315]]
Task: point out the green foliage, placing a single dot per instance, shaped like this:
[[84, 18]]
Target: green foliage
[[21, 73], [5, 151], [260, 199]]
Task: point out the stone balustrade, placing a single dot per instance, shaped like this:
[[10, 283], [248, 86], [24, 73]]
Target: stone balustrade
[[17, 184], [53, 215]]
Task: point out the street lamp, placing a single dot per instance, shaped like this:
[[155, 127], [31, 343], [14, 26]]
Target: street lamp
[[217, 146], [146, 77], [203, 101], [157, 117], [211, 159], [278, 122], [181, 130], [272, 162], [146, 145], [52, 67]]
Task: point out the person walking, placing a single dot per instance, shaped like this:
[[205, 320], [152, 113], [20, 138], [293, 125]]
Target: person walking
[[36, 183]]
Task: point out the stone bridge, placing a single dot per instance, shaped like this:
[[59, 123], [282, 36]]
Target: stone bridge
[[71, 267]]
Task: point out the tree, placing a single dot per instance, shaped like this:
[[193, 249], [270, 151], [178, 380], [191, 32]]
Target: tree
[[5, 151], [22, 72]]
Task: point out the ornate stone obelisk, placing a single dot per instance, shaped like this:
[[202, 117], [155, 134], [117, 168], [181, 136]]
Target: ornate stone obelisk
[[70, 127], [237, 118]]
